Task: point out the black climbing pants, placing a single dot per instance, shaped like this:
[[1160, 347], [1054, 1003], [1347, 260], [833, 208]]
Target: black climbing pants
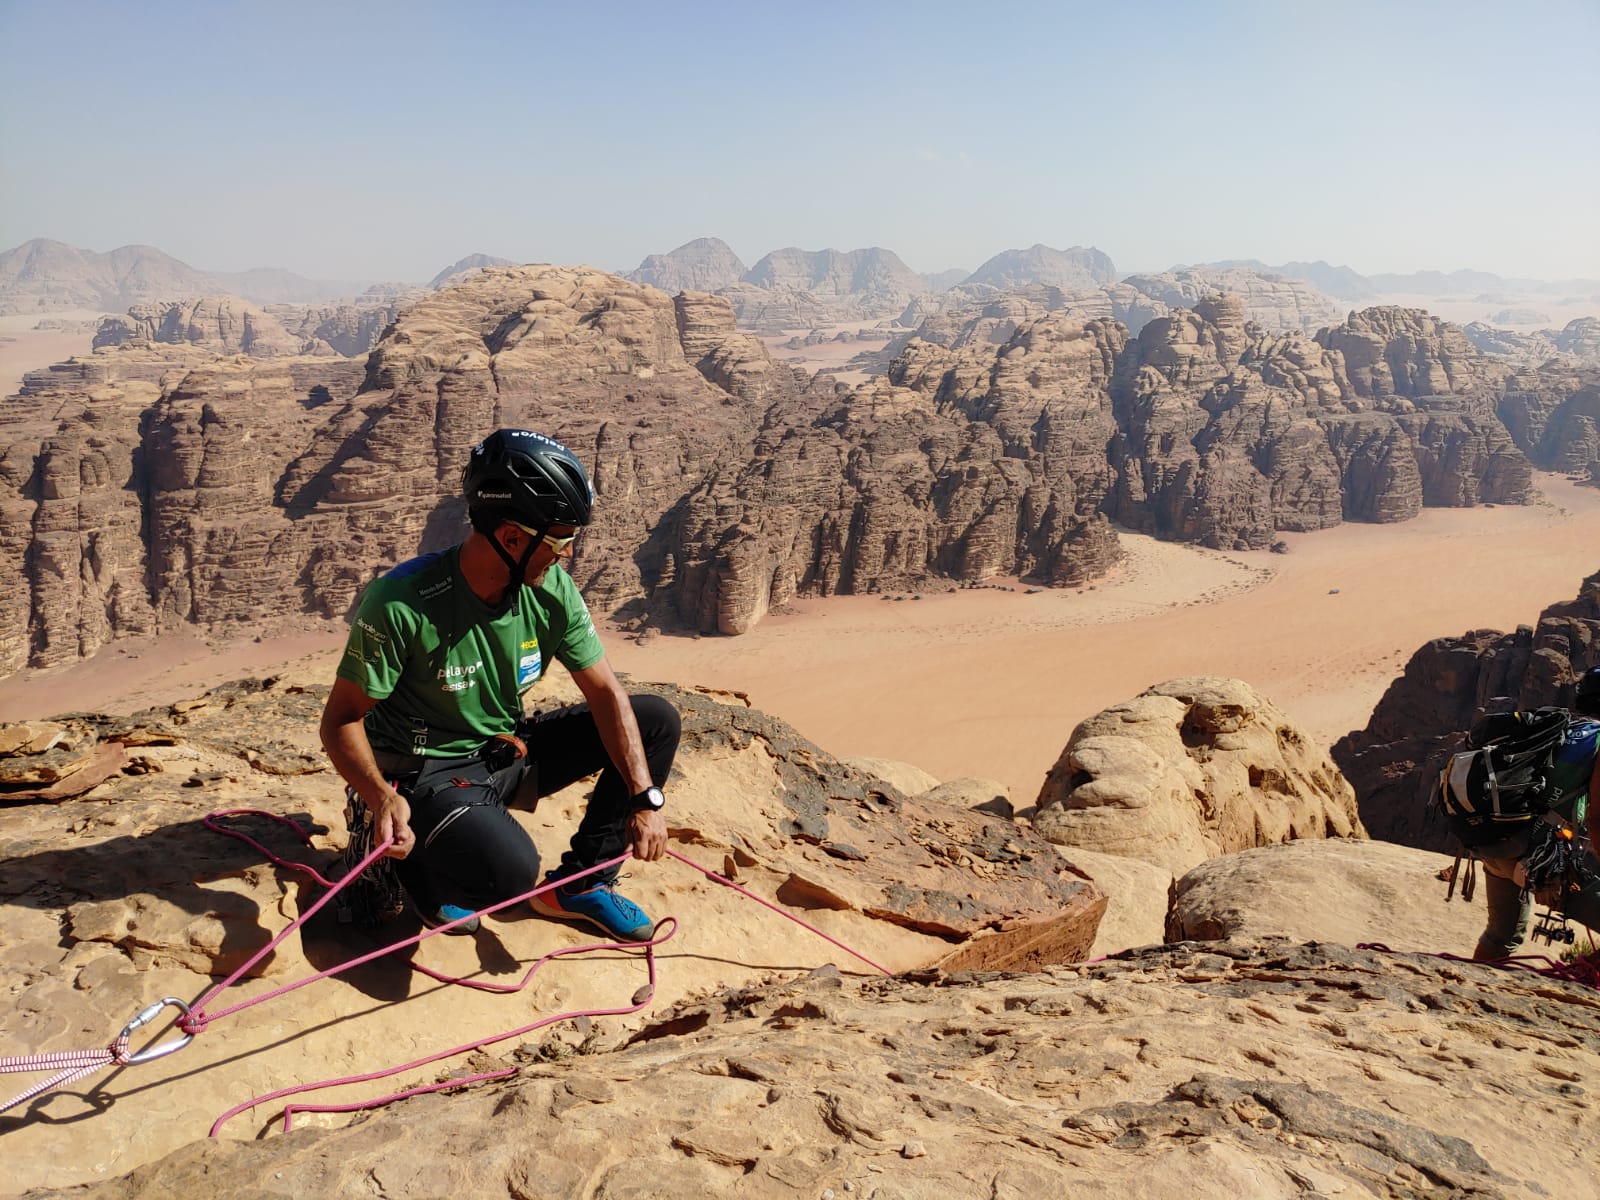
[[472, 852]]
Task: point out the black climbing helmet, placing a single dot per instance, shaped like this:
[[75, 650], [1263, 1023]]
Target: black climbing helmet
[[1586, 697], [522, 476]]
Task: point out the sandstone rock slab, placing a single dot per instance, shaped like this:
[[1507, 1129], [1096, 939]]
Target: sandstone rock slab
[[1247, 1069]]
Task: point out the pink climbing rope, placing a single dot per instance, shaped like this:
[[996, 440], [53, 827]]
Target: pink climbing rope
[[640, 998], [726, 882], [71, 1066], [74, 1065], [1584, 971]]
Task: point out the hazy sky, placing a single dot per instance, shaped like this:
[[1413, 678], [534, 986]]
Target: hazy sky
[[371, 141]]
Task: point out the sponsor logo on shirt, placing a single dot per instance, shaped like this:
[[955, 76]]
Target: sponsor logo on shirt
[[529, 667], [372, 631], [453, 678], [436, 589]]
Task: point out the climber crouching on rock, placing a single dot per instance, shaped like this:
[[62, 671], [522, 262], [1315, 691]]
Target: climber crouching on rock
[[425, 720]]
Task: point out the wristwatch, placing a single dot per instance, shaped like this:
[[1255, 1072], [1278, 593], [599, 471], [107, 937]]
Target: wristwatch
[[650, 798]]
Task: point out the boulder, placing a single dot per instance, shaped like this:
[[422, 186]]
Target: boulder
[[1332, 890], [984, 795], [911, 780], [1190, 769]]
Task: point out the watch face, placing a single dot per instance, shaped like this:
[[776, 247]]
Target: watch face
[[651, 798]]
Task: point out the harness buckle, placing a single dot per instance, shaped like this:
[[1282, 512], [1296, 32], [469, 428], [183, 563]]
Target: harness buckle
[[150, 1053]]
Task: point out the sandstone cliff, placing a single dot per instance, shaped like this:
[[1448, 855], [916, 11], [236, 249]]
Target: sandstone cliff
[[223, 324], [1578, 343], [157, 483], [868, 283], [1271, 301]]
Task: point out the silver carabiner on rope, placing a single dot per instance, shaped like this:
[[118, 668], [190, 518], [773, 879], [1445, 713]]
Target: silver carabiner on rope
[[151, 1053]]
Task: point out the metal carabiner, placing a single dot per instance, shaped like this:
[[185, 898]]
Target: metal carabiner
[[154, 1052]]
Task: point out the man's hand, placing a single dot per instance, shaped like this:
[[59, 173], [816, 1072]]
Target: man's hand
[[391, 818], [647, 834]]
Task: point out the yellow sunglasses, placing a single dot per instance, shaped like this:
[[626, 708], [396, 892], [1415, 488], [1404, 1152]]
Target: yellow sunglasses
[[556, 544]]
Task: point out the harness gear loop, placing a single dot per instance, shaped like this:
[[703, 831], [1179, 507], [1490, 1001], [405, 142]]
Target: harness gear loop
[[151, 1053]]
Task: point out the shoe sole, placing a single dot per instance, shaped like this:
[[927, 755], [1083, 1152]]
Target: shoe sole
[[561, 914]]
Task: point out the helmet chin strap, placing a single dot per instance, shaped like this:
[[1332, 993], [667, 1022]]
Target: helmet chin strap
[[517, 567]]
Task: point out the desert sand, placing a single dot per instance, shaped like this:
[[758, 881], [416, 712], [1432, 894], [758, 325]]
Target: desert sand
[[1559, 309], [990, 683], [24, 349]]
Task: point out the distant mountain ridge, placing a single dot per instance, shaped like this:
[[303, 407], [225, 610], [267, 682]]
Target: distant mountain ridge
[[1078, 267], [706, 264], [1345, 283], [791, 287], [472, 262], [44, 276]]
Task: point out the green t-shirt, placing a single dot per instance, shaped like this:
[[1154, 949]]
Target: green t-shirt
[[447, 673]]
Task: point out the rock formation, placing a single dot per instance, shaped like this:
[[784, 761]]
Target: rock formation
[[992, 1062], [1078, 267], [1447, 685], [1320, 1071], [1190, 769], [1341, 282], [1271, 301], [345, 329], [157, 483], [941, 318], [1576, 344], [1528, 348], [870, 283], [222, 324], [1329, 890], [703, 265]]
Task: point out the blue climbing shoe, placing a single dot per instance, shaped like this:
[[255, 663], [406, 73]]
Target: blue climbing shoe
[[446, 913], [598, 904]]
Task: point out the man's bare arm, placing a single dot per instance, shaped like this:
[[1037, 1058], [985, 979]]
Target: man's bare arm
[[619, 733], [344, 737]]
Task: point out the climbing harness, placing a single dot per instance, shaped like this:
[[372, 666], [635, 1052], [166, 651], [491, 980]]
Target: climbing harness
[[196, 1018]]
